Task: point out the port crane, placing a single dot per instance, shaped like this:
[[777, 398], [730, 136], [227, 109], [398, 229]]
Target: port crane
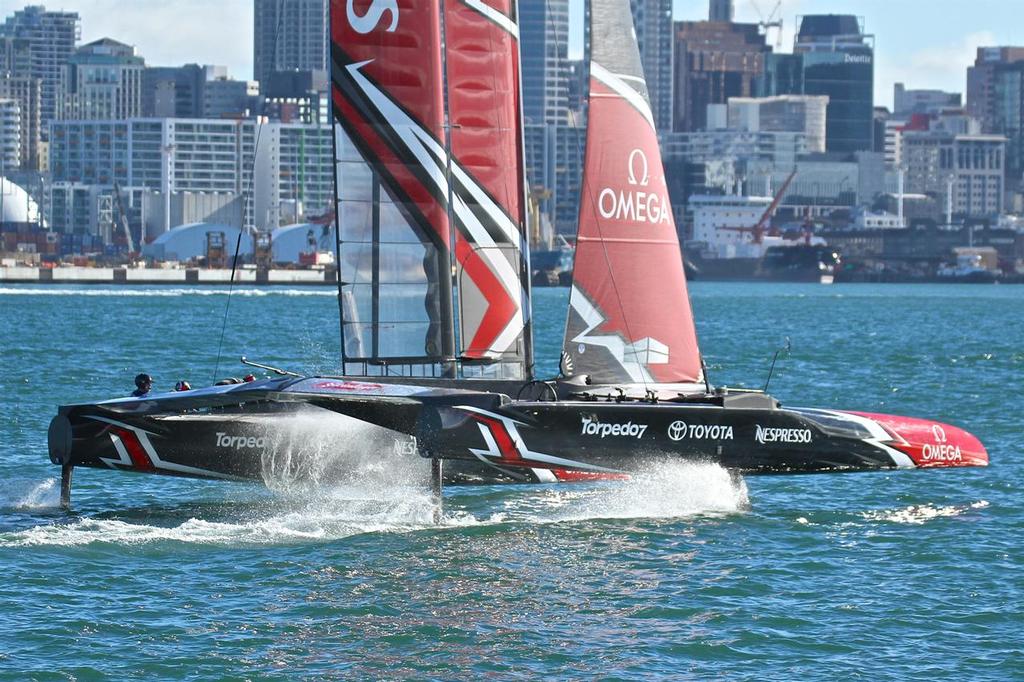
[[759, 229], [774, 20], [122, 221]]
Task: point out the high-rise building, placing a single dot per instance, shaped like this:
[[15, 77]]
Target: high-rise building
[[981, 98], [1006, 116], [102, 80], [15, 55], [907, 102], [176, 91], [229, 98], [714, 61], [289, 35], [721, 10], [296, 97], [52, 37], [10, 135], [838, 61], [544, 52], [26, 91], [653, 22]]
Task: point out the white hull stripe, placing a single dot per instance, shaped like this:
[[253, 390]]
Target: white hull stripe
[[158, 463], [494, 452], [879, 437]]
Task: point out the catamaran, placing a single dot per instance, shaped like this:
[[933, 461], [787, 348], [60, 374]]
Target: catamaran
[[434, 293]]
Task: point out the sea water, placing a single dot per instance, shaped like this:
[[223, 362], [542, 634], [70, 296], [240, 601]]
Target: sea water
[[677, 573]]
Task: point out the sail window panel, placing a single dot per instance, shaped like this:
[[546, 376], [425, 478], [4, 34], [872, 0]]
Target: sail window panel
[[400, 303], [356, 263], [394, 226], [355, 181], [403, 264], [344, 149], [356, 218], [357, 340], [396, 338]]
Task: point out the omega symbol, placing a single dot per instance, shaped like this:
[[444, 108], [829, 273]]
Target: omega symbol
[[641, 165]]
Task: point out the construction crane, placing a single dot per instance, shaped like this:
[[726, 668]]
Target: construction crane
[[122, 220], [773, 21], [761, 227]]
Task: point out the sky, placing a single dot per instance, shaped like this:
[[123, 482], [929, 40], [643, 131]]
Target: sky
[[922, 43]]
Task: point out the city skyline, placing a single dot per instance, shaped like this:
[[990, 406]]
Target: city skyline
[[934, 55]]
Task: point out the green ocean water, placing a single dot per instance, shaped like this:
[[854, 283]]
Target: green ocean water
[[902, 575]]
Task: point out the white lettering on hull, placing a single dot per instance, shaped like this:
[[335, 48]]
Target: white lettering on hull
[[772, 434], [241, 442], [593, 427]]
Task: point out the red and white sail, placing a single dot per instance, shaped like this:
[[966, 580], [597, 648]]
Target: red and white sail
[[427, 193], [629, 316], [391, 177], [488, 181]]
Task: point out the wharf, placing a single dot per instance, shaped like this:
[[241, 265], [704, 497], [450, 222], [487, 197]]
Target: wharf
[[183, 276]]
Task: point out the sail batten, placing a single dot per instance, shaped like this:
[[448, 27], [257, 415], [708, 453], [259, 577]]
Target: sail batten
[[629, 314]]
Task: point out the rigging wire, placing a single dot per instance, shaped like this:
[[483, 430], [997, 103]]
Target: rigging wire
[[247, 197]]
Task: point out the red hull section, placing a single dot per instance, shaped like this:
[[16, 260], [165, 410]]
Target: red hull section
[[931, 444]]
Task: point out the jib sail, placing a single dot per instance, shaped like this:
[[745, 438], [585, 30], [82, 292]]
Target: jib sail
[[629, 316]]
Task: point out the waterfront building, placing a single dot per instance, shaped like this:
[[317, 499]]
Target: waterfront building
[[783, 113], [294, 180], [198, 160], [289, 35], [907, 102], [838, 61], [10, 136], [981, 88], [714, 60], [51, 37], [653, 21], [966, 171], [102, 80]]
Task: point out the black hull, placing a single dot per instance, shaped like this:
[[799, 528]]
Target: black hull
[[291, 429]]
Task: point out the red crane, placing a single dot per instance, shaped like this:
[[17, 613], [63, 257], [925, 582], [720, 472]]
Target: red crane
[[759, 229]]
